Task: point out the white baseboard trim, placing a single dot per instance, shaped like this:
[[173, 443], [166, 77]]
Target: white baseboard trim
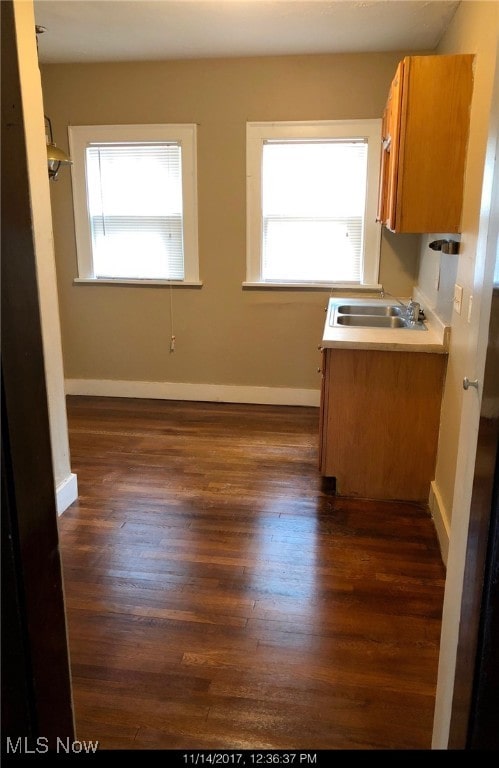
[[440, 519], [164, 390], [66, 493]]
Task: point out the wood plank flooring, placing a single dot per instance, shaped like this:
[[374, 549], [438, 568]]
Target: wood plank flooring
[[219, 598]]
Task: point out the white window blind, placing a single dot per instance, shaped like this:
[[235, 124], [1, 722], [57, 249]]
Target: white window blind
[[135, 210], [313, 209]]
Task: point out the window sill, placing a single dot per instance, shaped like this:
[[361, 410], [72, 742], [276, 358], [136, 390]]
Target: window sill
[[143, 283], [312, 286]]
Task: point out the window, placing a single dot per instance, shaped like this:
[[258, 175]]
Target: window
[[134, 194], [311, 203]]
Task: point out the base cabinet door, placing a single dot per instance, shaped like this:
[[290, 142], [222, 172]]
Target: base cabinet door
[[380, 417]]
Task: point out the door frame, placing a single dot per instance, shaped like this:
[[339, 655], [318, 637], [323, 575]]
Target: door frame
[[466, 561], [36, 683]]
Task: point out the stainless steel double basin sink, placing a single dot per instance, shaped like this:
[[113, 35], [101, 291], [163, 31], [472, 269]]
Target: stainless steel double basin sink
[[371, 314]]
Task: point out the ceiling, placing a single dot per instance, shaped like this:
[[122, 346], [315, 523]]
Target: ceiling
[[148, 30]]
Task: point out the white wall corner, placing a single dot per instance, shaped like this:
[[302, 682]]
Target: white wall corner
[[66, 493], [440, 520], [41, 215]]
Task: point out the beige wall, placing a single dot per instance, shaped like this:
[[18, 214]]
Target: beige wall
[[473, 30], [225, 335]]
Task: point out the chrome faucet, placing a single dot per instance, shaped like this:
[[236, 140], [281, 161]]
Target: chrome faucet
[[413, 310]]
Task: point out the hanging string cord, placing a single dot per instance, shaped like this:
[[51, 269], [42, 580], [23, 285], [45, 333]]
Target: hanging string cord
[[172, 339]]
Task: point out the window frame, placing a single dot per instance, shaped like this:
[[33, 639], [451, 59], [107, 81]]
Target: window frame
[[82, 136], [259, 132]]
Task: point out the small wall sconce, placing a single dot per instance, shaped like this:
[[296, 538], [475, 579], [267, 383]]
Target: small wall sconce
[[446, 246], [55, 156]]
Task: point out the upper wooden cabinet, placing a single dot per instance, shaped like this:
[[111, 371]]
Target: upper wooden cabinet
[[425, 138]]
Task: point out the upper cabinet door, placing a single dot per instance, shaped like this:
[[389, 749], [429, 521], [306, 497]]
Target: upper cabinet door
[[425, 139], [390, 151]]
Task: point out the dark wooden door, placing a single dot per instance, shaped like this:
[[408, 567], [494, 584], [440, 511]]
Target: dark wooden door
[[475, 706], [483, 726]]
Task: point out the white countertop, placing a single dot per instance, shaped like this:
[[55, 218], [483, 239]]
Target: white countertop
[[434, 339]]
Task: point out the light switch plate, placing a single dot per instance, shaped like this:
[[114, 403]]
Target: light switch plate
[[458, 298]]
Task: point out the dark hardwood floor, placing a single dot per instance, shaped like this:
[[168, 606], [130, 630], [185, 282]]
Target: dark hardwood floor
[[218, 598]]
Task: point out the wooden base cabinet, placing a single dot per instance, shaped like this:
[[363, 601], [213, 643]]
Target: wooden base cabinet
[[379, 422]]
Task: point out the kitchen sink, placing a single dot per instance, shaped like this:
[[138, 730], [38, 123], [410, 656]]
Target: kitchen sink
[[372, 321], [371, 314], [369, 309]]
